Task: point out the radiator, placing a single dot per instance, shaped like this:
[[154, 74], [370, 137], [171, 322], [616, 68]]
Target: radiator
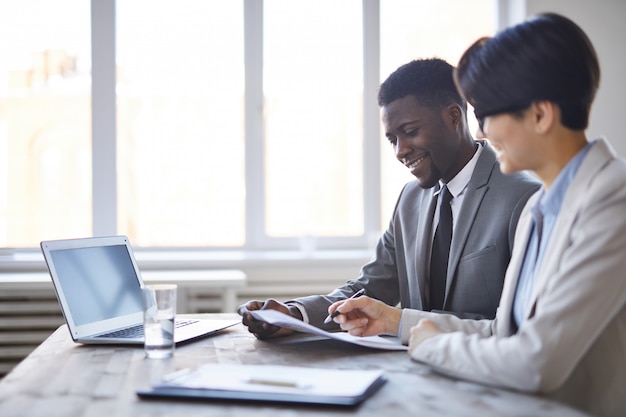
[[27, 317]]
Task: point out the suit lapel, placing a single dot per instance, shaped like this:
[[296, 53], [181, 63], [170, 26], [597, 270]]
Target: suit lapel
[[422, 248], [475, 192]]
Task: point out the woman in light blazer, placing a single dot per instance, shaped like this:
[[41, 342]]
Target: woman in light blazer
[[560, 328]]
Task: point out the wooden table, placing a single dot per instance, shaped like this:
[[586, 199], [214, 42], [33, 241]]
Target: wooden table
[[63, 379]]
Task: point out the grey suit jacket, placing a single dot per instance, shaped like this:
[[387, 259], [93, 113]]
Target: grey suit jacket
[[572, 344], [479, 253]]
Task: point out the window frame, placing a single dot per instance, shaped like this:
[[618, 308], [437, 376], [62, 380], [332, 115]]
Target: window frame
[[103, 15], [104, 131]]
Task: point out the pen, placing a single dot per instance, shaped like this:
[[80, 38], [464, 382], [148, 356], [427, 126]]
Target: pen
[[275, 383], [330, 317]]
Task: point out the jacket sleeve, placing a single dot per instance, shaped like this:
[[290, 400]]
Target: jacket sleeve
[[379, 277]]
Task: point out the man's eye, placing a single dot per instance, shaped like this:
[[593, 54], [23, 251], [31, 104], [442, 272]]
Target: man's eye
[[411, 132], [392, 140]]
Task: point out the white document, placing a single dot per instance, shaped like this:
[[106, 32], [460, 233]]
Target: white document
[[279, 319], [270, 379]]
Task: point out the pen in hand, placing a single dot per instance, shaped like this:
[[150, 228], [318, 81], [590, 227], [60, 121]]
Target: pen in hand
[[335, 313]]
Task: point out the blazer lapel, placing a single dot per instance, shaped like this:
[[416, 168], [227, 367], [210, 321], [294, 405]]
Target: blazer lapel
[[422, 249], [505, 309], [575, 196], [476, 189]]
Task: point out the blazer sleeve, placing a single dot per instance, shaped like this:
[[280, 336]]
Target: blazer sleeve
[[379, 277], [582, 291]]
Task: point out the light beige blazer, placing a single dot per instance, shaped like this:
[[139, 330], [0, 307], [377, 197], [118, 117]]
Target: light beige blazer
[[572, 344]]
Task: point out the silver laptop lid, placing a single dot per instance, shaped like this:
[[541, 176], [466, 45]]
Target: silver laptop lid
[[97, 282]]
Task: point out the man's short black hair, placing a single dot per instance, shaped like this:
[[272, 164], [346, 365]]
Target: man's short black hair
[[546, 58], [430, 81]]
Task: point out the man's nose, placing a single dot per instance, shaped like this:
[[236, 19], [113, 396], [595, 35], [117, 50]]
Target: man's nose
[[402, 148]]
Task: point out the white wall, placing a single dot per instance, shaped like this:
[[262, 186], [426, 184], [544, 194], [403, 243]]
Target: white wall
[[604, 21]]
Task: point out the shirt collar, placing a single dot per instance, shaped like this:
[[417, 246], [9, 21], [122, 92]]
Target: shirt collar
[[550, 202], [457, 184]]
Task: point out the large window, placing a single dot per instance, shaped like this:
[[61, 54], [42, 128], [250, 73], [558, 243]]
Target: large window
[[180, 122], [236, 123], [313, 95], [45, 147]]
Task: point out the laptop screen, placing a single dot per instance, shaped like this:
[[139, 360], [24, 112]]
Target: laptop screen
[[99, 283]]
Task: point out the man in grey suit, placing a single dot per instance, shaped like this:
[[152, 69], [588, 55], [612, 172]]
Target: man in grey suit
[[425, 121]]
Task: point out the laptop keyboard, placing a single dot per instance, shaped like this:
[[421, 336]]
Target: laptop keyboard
[[137, 331]]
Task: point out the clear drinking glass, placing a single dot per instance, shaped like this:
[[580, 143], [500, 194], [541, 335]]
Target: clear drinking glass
[[159, 311]]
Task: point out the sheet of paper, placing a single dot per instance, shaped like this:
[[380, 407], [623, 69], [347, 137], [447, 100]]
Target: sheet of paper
[[274, 379], [279, 319]]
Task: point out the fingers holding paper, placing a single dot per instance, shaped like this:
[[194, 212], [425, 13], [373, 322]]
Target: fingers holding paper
[[261, 329], [365, 316]]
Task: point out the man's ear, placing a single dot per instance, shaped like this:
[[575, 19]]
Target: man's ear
[[454, 115], [546, 115]]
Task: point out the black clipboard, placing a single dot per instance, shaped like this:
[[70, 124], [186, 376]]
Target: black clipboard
[[204, 394], [183, 391]]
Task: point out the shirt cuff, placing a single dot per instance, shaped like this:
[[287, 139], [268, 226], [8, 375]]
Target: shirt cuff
[[409, 319], [399, 331], [301, 309]]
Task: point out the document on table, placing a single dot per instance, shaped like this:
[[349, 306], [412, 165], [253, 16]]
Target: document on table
[[270, 383], [279, 319]]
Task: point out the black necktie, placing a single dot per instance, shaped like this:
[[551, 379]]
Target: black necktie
[[441, 252]]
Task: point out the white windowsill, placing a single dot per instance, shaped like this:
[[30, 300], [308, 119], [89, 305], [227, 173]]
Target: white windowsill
[[27, 261]]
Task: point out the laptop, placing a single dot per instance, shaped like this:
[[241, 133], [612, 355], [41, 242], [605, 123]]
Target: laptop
[[98, 285]]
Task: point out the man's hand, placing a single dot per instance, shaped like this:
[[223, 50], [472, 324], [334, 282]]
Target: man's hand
[[365, 316], [261, 329], [425, 329]]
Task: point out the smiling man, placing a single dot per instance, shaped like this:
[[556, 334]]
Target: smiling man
[[425, 121]]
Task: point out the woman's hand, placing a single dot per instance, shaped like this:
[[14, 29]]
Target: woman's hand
[[425, 329], [365, 316]]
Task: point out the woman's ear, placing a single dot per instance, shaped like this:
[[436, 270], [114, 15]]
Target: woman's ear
[[545, 115]]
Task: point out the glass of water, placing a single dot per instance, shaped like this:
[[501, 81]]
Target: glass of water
[[159, 311]]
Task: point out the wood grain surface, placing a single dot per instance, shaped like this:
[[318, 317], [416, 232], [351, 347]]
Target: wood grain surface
[[61, 378]]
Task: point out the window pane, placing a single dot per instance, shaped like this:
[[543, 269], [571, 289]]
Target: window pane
[[45, 121], [412, 29], [180, 122], [313, 88]]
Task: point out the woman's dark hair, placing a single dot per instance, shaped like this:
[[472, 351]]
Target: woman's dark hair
[[430, 81], [546, 58]]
